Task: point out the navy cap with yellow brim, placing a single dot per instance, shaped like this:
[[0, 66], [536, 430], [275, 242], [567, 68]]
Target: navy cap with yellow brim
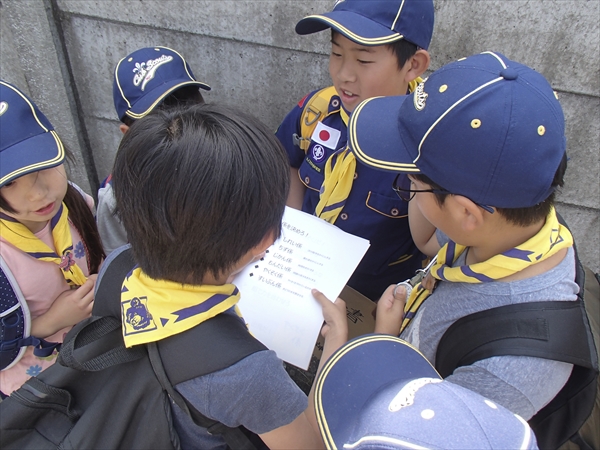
[[483, 127], [144, 78], [374, 22], [378, 391], [28, 142], [354, 373]]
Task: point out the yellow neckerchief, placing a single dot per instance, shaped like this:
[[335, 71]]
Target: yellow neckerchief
[[21, 237], [156, 309], [550, 239], [339, 175]]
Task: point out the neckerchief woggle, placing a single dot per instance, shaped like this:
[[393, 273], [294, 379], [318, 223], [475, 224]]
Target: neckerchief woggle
[[339, 176], [156, 309], [552, 238], [21, 237]]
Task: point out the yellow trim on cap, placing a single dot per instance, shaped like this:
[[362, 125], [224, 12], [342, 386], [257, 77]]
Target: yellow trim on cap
[[380, 164], [355, 37], [495, 56], [119, 84], [161, 98], [398, 15], [320, 414], [458, 102], [28, 102], [185, 66], [40, 165]]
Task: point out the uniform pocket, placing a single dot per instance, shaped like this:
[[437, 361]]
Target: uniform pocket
[[391, 207]]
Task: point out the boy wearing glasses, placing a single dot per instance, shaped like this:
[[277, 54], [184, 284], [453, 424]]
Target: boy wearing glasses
[[482, 141], [377, 48]]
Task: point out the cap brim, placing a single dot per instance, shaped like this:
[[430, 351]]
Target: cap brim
[[354, 26], [149, 101], [39, 152], [374, 135], [355, 373]]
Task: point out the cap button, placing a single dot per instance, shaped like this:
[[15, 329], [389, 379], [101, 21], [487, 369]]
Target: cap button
[[509, 74]]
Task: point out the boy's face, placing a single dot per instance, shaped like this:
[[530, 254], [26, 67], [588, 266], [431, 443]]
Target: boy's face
[[438, 215], [359, 72]]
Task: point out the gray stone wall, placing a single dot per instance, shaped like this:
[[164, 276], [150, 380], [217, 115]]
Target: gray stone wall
[[62, 52]]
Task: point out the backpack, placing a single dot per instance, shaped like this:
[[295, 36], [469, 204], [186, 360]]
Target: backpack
[[101, 394], [15, 323], [315, 110], [565, 331]]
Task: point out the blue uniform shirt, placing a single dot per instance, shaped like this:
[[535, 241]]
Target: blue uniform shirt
[[372, 211]]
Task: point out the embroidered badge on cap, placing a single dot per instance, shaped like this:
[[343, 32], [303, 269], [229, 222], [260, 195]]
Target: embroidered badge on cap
[[420, 96], [145, 71], [327, 136]]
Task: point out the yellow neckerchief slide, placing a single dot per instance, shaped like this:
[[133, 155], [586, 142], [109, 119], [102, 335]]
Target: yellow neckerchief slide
[[552, 238], [339, 175], [156, 309], [21, 237]]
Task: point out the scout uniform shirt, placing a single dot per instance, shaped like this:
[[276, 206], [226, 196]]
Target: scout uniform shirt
[[372, 211]]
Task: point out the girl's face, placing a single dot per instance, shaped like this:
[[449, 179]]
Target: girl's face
[[36, 197]]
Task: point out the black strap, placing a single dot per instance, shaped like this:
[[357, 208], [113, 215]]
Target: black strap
[[551, 330], [107, 298], [101, 344], [225, 341], [234, 437]]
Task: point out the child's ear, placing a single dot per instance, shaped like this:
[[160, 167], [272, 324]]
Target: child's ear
[[471, 215], [419, 63], [266, 242], [124, 128]]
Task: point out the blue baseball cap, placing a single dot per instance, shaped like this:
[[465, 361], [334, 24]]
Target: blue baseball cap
[[145, 77], [376, 22], [28, 142], [378, 391], [483, 127]]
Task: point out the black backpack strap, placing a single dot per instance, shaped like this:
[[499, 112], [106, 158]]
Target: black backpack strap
[[551, 330], [107, 298], [225, 339], [234, 437], [101, 344]]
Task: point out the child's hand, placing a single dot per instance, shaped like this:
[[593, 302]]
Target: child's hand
[[334, 314], [70, 307], [390, 310]]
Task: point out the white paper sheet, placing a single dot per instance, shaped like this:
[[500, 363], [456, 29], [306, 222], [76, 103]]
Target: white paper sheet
[[276, 299]]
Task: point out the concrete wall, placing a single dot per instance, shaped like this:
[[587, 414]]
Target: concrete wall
[[62, 52]]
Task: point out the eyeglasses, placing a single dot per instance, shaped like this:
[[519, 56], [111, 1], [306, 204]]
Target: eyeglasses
[[402, 188], [402, 184]]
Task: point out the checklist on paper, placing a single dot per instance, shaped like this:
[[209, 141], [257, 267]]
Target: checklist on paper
[[276, 299]]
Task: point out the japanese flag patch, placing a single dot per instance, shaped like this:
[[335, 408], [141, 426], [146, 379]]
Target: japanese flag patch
[[326, 136]]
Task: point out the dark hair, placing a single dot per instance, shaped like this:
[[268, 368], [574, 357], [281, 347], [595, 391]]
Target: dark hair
[[83, 220], [187, 95], [403, 50], [197, 188], [517, 216]]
